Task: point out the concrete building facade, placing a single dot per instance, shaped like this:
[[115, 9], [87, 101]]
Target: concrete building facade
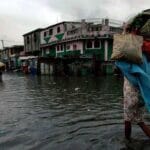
[[66, 44], [86, 40], [32, 42]]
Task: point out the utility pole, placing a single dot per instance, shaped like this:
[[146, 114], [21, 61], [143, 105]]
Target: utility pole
[[2, 43], [2, 48]]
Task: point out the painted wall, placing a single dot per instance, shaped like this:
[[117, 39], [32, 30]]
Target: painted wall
[[51, 38], [71, 48], [48, 52], [64, 27]]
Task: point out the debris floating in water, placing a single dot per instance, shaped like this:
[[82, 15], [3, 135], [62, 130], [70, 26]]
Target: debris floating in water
[[76, 89]]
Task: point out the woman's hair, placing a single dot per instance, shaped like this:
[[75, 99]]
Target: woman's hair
[[138, 22]]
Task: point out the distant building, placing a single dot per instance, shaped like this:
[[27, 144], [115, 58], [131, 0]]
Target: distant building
[[5, 56], [81, 38], [32, 42], [92, 40], [10, 56], [53, 38]]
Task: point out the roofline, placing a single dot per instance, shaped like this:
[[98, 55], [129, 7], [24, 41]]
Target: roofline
[[38, 29], [75, 39], [16, 46], [146, 10], [13, 46], [61, 23]]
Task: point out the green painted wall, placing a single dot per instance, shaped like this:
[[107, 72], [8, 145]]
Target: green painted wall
[[110, 47], [99, 52], [68, 53], [47, 38], [52, 53], [109, 69], [59, 36]]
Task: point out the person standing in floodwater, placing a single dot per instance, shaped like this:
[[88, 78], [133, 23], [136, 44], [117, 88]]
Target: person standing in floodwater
[[133, 109]]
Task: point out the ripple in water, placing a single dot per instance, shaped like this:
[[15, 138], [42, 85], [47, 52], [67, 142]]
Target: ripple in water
[[63, 114]]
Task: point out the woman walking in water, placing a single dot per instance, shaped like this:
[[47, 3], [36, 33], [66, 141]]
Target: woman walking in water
[[137, 80]]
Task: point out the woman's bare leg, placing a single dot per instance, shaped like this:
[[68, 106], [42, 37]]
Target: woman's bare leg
[[145, 128], [128, 129]]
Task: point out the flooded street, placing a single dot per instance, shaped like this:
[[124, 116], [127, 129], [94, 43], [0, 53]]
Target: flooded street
[[63, 113]]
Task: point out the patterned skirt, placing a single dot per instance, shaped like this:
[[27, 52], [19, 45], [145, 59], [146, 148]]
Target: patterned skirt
[[133, 111]]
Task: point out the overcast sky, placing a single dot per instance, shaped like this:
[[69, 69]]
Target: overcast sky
[[18, 17]]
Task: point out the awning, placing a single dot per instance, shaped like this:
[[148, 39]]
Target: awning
[[27, 57]]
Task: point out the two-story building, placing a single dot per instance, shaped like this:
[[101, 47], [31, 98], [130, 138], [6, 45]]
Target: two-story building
[[53, 36], [84, 40]]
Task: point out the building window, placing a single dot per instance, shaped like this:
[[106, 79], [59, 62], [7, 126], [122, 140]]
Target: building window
[[64, 46], [74, 46], [11, 51], [58, 49], [89, 29], [50, 31], [47, 51], [68, 47], [35, 38], [97, 29], [100, 28], [92, 28], [97, 44], [89, 44], [45, 34], [28, 41], [58, 29], [61, 47]]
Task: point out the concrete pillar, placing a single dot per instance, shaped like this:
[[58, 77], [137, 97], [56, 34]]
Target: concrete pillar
[[83, 27], [107, 22], [106, 51]]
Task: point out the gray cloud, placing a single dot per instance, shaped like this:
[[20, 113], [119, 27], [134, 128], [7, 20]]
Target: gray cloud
[[79, 9], [20, 16], [115, 9]]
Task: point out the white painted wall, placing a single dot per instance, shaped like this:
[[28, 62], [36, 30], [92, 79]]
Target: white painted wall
[[53, 38], [62, 26], [79, 45]]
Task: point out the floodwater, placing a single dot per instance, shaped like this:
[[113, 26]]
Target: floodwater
[[64, 113]]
